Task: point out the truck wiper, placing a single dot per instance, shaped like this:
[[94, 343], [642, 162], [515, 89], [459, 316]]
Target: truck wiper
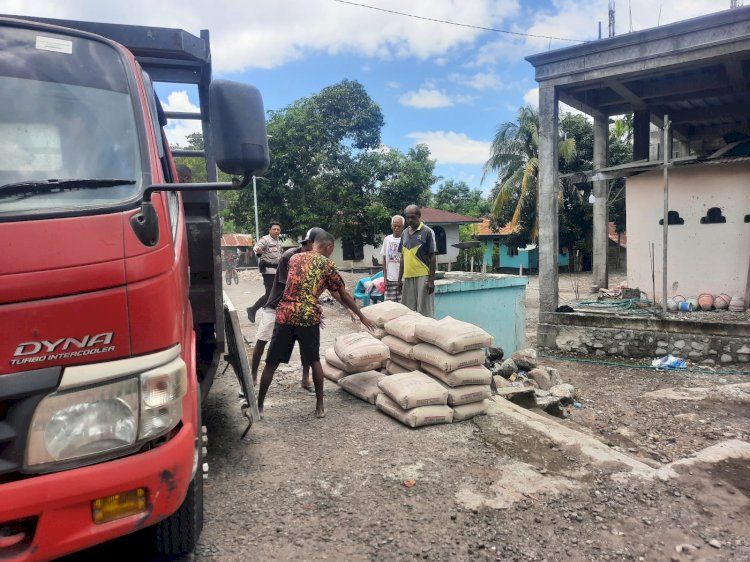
[[52, 184]]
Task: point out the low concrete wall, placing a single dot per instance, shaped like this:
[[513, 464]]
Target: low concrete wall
[[603, 335]]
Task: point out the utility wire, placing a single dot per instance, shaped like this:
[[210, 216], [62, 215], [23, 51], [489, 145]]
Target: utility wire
[[493, 29]]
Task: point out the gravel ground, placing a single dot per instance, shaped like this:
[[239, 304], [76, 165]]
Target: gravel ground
[[308, 489]]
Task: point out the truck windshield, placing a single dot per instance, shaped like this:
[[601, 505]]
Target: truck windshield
[[67, 121]]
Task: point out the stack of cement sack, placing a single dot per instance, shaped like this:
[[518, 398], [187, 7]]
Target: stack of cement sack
[[354, 353], [414, 399], [435, 367], [453, 352]]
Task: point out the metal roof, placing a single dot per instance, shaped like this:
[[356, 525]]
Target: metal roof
[[237, 240], [438, 216]]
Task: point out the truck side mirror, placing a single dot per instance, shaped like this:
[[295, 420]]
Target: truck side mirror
[[238, 128]]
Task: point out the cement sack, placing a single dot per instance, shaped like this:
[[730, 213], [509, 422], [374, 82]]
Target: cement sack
[[404, 327], [458, 395], [379, 333], [410, 364], [411, 390], [445, 361], [475, 375], [453, 336], [416, 417], [468, 411], [398, 346], [393, 368], [363, 385], [385, 312], [332, 373], [333, 361], [361, 350]]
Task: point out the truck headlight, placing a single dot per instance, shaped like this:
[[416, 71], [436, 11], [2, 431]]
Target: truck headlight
[[84, 422], [81, 423]]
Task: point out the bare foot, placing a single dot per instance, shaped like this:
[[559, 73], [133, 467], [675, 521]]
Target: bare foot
[[320, 414], [307, 386], [260, 412]]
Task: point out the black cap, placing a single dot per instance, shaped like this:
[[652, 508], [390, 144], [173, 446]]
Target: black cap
[[312, 234]]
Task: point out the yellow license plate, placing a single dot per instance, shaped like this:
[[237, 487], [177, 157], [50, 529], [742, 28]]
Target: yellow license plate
[[120, 505]]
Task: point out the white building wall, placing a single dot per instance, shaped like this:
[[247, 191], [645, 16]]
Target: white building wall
[[451, 237], [711, 258]]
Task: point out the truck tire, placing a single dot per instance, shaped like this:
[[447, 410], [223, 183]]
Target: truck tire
[[178, 534]]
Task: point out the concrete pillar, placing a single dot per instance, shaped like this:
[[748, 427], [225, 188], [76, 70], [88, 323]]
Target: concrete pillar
[[641, 134], [601, 192], [547, 202]]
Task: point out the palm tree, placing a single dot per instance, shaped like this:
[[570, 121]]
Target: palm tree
[[514, 156]]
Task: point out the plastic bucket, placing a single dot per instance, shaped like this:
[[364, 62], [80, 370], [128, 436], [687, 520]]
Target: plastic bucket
[[685, 306]]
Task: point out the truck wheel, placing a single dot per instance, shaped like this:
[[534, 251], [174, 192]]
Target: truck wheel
[[178, 534]]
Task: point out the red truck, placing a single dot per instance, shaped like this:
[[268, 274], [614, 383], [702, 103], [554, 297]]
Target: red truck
[[111, 306]]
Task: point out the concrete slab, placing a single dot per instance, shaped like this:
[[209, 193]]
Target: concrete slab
[[585, 444]]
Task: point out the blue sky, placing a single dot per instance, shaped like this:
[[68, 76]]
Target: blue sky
[[447, 86]]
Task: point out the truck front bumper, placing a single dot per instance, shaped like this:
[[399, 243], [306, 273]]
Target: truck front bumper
[[61, 503]]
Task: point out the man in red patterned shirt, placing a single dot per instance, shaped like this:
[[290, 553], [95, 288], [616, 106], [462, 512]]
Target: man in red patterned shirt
[[298, 315]]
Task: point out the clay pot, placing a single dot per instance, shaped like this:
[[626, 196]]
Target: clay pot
[[721, 302], [672, 305], [737, 304], [693, 303], [705, 301]]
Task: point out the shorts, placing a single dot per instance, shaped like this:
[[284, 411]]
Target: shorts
[[265, 324], [284, 337]]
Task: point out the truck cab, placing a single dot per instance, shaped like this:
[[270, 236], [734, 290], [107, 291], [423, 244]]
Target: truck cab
[[110, 282]]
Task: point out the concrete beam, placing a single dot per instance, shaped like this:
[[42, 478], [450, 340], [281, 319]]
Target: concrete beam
[[626, 94], [576, 103], [736, 74], [547, 200], [729, 111], [601, 192], [690, 82], [661, 49]]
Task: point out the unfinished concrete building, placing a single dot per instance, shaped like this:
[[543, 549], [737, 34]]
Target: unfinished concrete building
[[696, 72]]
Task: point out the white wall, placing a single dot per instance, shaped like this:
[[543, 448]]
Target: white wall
[[451, 237], [710, 258]]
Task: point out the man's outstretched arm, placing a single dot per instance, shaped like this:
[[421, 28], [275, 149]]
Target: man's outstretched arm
[[348, 301]]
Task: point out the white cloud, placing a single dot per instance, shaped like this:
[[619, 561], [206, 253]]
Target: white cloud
[[178, 130], [269, 33], [426, 98], [531, 97], [480, 81], [449, 147], [393, 85], [484, 81]]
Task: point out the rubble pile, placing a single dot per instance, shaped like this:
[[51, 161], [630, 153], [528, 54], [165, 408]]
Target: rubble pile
[[522, 379]]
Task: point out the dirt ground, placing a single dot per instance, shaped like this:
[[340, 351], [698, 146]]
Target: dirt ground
[[492, 488]]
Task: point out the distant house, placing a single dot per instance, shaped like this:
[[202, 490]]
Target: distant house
[[242, 245], [509, 258], [444, 223]]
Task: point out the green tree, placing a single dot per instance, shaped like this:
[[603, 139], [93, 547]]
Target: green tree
[[457, 197], [514, 156], [329, 169]]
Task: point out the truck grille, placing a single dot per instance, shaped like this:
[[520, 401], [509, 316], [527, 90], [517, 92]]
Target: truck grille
[[20, 393]]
